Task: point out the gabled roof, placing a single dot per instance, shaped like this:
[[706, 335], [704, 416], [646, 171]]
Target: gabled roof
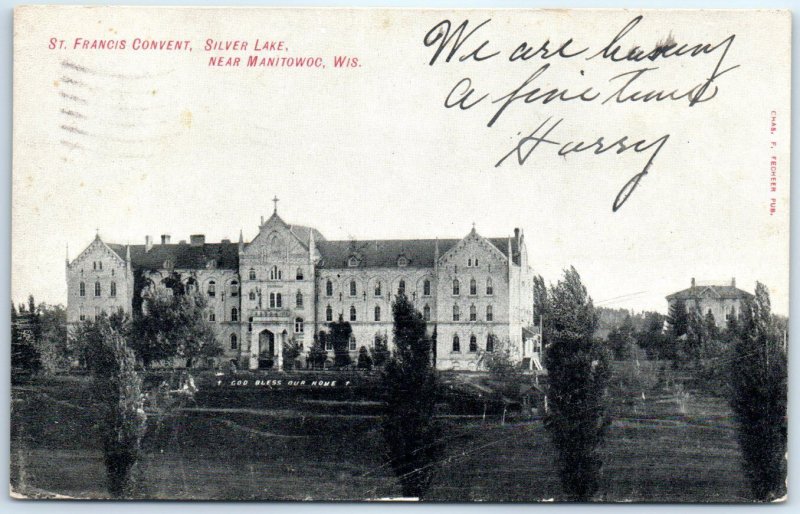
[[182, 256], [726, 292]]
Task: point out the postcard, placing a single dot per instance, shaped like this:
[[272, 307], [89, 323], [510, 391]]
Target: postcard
[[442, 255]]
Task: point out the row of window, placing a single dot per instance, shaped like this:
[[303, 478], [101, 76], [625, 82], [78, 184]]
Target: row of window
[[426, 288], [376, 313], [473, 313], [327, 342], [276, 273], [473, 343], [276, 300], [473, 287], [211, 288], [98, 289]]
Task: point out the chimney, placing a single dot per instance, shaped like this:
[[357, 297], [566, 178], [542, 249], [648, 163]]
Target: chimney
[[692, 282], [197, 239], [148, 243], [165, 239], [516, 233], [733, 282]]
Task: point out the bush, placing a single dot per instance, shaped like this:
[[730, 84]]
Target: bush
[[364, 360]]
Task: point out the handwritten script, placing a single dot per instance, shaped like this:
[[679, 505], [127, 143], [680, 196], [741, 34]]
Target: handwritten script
[[632, 67]]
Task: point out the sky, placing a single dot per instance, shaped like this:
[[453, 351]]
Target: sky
[[128, 143]]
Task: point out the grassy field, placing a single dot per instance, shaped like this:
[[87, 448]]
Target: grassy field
[[667, 443]]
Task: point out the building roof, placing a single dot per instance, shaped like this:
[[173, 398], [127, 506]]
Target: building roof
[[384, 253], [723, 292], [375, 253], [182, 256]]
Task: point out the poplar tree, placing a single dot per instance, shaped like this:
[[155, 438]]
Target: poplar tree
[[409, 392], [759, 393], [578, 373]]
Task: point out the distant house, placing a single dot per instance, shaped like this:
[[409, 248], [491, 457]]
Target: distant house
[[722, 300]]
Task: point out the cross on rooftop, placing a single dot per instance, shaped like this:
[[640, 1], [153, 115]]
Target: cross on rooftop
[[275, 201]]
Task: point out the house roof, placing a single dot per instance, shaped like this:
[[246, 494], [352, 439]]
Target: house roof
[[723, 292]]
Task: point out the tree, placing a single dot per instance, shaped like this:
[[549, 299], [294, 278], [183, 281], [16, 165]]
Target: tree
[[52, 342], [578, 373], [291, 351], [409, 392], [317, 355], [380, 351], [117, 394], [651, 338], [173, 325], [340, 332], [540, 300], [364, 360], [621, 340], [759, 394], [25, 358]]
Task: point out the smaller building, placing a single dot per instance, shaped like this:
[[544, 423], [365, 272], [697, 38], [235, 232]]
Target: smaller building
[[723, 301]]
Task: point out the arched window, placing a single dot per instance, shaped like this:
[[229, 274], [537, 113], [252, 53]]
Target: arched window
[[100, 265], [489, 313], [272, 300], [234, 314], [299, 300], [490, 343], [328, 313], [426, 288], [476, 262], [82, 289], [94, 265], [253, 296], [328, 288], [97, 288], [456, 287], [456, 343], [473, 343], [298, 325], [377, 313], [298, 274], [469, 262], [234, 342], [278, 300], [378, 288], [212, 316], [353, 288], [252, 274], [456, 313], [234, 289], [473, 313], [212, 289], [352, 342], [473, 287], [352, 262], [113, 289], [489, 288], [401, 287], [325, 341], [352, 313], [274, 273], [426, 312]]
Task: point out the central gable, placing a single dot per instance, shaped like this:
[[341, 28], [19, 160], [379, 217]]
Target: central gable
[[472, 246], [275, 242]]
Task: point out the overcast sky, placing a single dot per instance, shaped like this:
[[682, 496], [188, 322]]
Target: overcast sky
[[132, 143]]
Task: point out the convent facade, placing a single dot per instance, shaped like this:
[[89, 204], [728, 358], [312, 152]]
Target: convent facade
[[289, 282]]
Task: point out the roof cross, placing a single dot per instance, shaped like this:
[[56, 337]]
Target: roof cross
[[275, 201]]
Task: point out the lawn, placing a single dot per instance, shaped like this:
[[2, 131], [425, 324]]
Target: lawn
[[668, 444]]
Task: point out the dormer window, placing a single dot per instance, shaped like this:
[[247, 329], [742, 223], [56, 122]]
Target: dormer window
[[402, 262], [352, 262], [211, 264], [168, 264]]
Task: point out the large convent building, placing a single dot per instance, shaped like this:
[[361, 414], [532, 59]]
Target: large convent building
[[289, 282]]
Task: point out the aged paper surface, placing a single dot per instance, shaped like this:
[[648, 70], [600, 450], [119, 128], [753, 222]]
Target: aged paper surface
[[304, 167]]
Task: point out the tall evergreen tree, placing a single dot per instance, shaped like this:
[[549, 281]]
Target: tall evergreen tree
[[678, 319], [759, 394], [409, 391], [578, 373]]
